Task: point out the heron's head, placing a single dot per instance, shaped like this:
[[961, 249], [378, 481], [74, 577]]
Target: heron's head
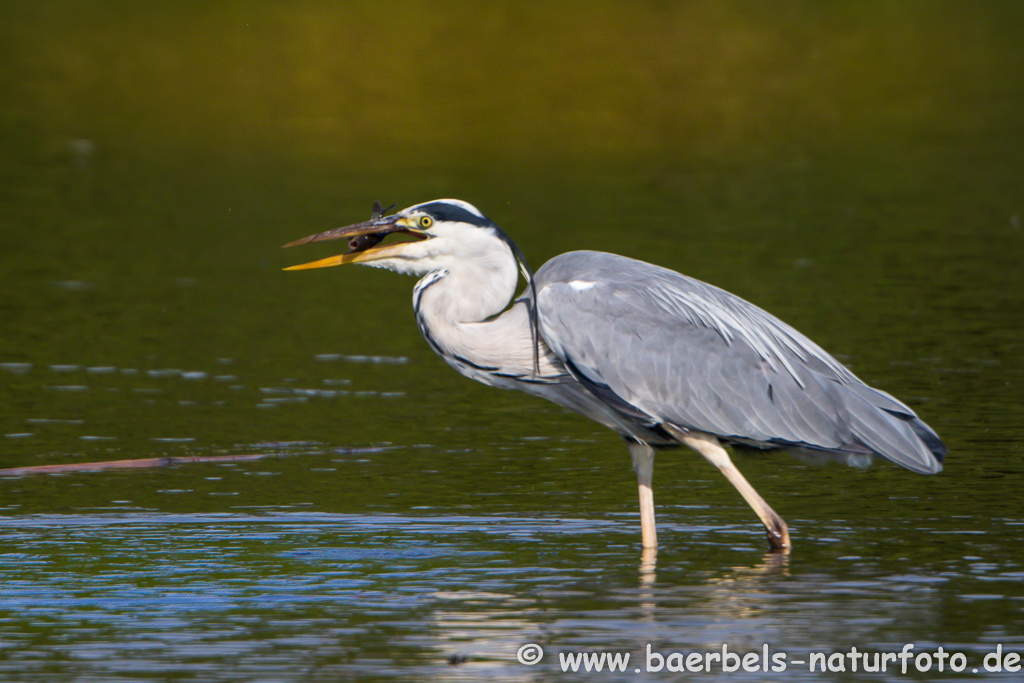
[[443, 233]]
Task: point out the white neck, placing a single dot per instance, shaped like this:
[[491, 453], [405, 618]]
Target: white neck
[[454, 308], [469, 275], [468, 290], [457, 310]]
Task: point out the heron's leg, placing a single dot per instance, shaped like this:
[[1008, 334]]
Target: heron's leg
[[710, 447], [643, 464]]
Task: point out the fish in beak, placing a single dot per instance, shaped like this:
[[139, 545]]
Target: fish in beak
[[363, 239]]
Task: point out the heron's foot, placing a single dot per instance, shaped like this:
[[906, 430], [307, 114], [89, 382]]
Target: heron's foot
[[778, 535]]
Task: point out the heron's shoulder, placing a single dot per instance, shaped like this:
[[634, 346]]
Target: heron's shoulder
[[623, 289], [600, 266]]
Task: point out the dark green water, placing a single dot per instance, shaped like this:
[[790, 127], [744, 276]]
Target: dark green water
[[855, 168]]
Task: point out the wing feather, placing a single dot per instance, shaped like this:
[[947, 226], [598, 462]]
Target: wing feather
[[688, 354]]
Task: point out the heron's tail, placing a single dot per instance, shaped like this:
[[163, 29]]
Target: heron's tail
[[892, 430]]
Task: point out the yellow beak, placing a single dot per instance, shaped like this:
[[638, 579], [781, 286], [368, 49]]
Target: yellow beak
[[371, 254]]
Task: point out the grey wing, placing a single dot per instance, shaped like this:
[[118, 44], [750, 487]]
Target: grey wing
[[679, 351]]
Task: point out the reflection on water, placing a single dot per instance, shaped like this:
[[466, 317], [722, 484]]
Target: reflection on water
[[305, 596]]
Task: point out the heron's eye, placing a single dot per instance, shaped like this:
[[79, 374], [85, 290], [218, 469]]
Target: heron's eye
[[426, 222]]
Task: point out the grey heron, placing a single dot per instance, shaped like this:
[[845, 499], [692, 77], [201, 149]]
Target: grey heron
[[661, 358]]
